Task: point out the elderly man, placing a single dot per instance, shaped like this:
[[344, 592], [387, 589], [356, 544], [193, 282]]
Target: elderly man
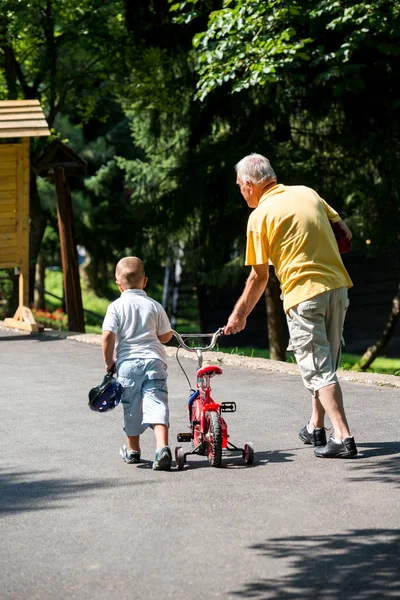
[[290, 225]]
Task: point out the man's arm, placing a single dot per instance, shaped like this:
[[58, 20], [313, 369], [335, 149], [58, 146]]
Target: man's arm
[[255, 286], [107, 345]]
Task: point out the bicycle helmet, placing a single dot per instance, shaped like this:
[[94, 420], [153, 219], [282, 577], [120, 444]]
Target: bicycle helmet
[[106, 396]]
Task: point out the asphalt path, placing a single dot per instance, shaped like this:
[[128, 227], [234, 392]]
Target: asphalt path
[[76, 522]]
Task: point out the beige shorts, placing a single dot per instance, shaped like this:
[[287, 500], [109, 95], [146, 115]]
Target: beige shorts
[[316, 336]]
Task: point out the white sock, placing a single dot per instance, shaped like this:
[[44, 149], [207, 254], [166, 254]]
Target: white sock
[[309, 428], [341, 441]]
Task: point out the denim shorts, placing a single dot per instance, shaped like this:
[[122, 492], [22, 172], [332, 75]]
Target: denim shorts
[[316, 336], [145, 394]]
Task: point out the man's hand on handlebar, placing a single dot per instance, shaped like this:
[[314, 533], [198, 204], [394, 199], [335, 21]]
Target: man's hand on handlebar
[[235, 324]]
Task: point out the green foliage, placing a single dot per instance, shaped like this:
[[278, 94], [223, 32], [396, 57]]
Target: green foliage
[[71, 56], [253, 43], [5, 291], [63, 53], [327, 74], [174, 187]]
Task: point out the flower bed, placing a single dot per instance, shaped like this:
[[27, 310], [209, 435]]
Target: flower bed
[[55, 320]]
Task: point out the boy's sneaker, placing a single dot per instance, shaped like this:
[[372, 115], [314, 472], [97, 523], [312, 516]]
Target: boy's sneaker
[[344, 449], [162, 459], [129, 456], [316, 438]]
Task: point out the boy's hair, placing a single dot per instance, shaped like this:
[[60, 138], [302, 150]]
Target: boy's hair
[[130, 272]]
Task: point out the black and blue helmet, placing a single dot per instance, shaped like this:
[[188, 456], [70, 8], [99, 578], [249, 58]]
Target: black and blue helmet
[[107, 395]]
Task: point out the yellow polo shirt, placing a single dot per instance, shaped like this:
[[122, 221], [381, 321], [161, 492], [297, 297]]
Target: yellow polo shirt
[[290, 226]]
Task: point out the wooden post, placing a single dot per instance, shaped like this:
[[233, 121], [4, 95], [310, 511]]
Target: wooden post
[[24, 170], [69, 254]]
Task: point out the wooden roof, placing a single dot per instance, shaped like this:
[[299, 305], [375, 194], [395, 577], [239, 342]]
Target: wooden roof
[[22, 118], [58, 154]]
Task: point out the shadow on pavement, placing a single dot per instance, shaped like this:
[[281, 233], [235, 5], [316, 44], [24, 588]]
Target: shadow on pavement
[[35, 337], [378, 449], [362, 564], [27, 491], [278, 456], [228, 462], [385, 471]]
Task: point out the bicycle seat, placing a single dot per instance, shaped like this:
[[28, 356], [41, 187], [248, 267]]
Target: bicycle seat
[[210, 370]]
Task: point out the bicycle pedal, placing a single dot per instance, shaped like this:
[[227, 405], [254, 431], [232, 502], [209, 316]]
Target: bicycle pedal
[[228, 406], [184, 437]]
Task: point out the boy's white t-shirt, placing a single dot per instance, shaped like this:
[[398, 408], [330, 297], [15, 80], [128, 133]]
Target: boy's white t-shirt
[[137, 320]]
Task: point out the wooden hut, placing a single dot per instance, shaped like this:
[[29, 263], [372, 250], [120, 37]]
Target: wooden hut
[[19, 121]]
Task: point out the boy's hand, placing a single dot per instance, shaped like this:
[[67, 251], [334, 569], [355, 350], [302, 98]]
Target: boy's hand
[[111, 367]]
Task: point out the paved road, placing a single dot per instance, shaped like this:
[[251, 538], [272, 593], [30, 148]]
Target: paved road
[[78, 523]]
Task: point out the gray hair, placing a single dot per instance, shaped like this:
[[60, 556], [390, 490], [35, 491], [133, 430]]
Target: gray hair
[[255, 168]]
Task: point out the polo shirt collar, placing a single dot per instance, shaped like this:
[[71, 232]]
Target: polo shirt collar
[[277, 188], [134, 291]]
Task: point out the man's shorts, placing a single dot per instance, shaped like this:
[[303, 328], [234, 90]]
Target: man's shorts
[[145, 394], [316, 336]]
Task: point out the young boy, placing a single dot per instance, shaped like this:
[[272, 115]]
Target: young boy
[[137, 326]]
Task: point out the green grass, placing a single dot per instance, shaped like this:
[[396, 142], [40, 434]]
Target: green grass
[[382, 364], [388, 366]]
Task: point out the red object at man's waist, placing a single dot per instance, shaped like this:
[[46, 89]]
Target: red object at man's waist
[[343, 242]]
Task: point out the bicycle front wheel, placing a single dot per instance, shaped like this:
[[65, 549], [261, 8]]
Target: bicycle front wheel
[[213, 438]]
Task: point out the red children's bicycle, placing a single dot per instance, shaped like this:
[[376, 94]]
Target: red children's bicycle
[[208, 430]]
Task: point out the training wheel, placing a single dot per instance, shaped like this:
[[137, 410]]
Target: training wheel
[[248, 454], [179, 457]]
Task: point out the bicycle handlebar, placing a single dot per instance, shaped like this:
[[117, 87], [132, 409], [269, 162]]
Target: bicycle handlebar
[[214, 337]]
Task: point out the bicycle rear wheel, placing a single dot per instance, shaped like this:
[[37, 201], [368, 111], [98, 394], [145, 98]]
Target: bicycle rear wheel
[[214, 438]]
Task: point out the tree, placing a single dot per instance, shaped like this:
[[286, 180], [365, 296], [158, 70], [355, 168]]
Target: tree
[[333, 67], [378, 348], [65, 54]]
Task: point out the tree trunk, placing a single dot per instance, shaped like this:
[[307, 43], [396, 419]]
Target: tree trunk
[[90, 274], [38, 226], [39, 283], [274, 315], [373, 351]]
